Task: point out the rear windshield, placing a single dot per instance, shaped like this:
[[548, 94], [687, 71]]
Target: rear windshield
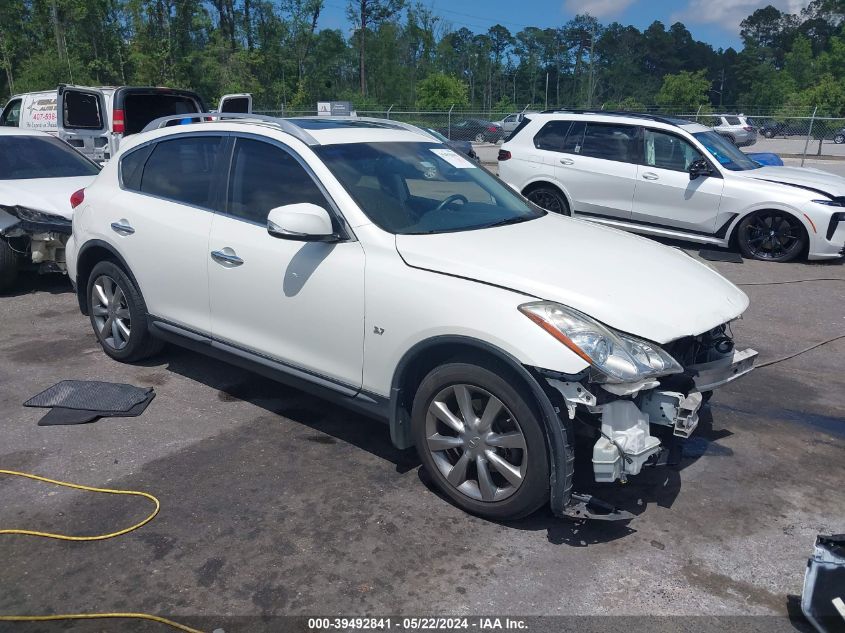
[[141, 108], [26, 157]]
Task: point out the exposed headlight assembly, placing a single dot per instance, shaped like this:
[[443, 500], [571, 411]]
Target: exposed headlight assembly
[[618, 357]]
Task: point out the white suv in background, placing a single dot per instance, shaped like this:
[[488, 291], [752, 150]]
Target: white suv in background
[[676, 179], [365, 261]]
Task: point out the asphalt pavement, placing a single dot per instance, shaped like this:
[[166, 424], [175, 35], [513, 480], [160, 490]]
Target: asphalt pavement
[[276, 503]]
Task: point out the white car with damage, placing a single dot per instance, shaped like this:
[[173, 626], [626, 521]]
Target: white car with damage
[[365, 261], [39, 175], [672, 178]]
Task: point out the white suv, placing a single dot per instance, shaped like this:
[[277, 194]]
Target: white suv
[[676, 179], [367, 262]]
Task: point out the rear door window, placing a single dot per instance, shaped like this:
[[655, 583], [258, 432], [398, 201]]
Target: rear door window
[[183, 170], [611, 142], [265, 176], [552, 136], [81, 111]]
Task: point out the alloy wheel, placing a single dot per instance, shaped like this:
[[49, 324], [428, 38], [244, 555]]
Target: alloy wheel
[[479, 138], [476, 443], [547, 200], [110, 312], [773, 235]]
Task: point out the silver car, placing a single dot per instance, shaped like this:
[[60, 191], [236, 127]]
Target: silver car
[[736, 128]]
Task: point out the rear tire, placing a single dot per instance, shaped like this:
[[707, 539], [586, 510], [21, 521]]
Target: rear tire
[[8, 266], [119, 315], [768, 133], [839, 139], [550, 199], [481, 441]]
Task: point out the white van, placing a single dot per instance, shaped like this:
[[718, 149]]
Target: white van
[[93, 120]]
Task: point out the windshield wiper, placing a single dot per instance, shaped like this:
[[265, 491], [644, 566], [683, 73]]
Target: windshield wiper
[[505, 222]]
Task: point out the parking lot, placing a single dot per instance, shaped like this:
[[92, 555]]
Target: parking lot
[[275, 502]]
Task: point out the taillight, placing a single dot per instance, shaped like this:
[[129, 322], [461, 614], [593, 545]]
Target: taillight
[[492, 128], [748, 128], [77, 198], [504, 154], [117, 122]]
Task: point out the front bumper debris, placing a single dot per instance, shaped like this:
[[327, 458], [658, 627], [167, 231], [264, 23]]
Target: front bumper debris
[[709, 376]]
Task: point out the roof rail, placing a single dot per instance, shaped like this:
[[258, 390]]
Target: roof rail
[[636, 115], [211, 117]]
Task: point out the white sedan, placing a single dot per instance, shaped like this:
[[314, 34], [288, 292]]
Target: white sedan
[[40, 177]]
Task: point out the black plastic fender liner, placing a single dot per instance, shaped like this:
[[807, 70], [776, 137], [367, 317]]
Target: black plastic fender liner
[[558, 429]]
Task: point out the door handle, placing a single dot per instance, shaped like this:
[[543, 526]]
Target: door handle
[[567, 161], [650, 176], [122, 227], [226, 258]]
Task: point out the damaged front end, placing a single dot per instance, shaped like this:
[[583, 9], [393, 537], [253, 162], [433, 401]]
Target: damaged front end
[[634, 387], [38, 237]]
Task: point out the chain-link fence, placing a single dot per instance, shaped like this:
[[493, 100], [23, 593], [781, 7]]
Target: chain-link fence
[[793, 134]]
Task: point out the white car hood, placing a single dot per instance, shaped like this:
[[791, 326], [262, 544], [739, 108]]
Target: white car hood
[[51, 195], [807, 177], [627, 282]]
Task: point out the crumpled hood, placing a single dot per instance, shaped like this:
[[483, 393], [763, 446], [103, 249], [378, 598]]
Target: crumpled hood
[[50, 195], [831, 184], [627, 282]]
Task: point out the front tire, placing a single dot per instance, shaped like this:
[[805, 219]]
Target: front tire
[[771, 236], [481, 442], [839, 139], [119, 315], [550, 199], [8, 266]]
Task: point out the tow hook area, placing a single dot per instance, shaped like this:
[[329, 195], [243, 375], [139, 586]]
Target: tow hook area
[[674, 409]]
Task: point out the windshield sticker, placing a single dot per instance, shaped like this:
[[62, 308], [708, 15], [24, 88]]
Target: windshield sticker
[[453, 158]]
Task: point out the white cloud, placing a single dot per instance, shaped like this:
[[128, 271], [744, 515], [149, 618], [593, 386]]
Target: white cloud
[[729, 13], [597, 8]]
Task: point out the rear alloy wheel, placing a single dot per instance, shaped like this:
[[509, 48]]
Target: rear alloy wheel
[[481, 442], [550, 199], [839, 139], [479, 138], [773, 236], [768, 133], [119, 315]]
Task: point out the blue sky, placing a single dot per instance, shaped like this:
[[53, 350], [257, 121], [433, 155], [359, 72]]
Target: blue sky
[[712, 21]]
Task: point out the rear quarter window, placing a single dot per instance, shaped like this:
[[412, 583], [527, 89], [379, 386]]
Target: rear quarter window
[[552, 136], [132, 167]]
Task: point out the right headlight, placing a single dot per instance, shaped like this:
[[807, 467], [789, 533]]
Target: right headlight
[[618, 357]]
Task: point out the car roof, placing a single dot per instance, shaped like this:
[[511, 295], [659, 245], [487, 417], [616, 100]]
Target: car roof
[[310, 130], [631, 118]]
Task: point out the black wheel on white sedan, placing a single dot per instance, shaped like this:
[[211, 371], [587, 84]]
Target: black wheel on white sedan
[[8, 265], [550, 199], [773, 236], [119, 315], [481, 441]]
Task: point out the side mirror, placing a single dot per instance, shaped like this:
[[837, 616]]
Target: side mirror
[[699, 167], [304, 222]]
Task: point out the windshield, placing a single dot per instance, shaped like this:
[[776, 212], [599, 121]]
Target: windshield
[[416, 188], [26, 157], [725, 152]]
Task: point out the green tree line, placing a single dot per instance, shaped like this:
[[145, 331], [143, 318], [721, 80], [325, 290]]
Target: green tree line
[[401, 52]]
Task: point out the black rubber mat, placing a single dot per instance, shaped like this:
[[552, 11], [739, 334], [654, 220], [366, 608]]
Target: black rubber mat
[[59, 416], [90, 395], [720, 256]]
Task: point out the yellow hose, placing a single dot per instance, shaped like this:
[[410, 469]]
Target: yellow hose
[[96, 537]]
